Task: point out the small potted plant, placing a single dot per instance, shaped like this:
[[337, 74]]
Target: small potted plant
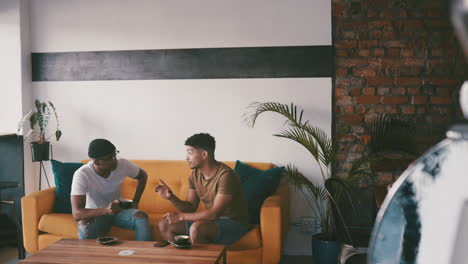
[[39, 118]]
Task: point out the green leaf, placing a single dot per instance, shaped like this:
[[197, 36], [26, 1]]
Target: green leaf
[[37, 103], [33, 120], [24, 119], [58, 134], [256, 109], [360, 170], [391, 134]]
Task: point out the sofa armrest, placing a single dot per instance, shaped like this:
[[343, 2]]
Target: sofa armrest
[[33, 206], [283, 192], [274, 223]]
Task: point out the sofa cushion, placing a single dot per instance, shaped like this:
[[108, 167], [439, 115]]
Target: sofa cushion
[[257, 185], [174, 173], [63, 225], [44, 240], [63, 175]]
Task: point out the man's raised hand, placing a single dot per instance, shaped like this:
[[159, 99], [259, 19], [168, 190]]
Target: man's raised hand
[[163, 190]]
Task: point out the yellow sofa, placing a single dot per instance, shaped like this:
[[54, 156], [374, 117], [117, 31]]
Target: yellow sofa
[[262, 244]]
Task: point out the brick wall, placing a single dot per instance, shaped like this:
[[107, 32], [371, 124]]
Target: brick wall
[[399, 57]]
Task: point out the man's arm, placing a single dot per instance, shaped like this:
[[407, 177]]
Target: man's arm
[[220, 204], [188, 206], [184, 206], [141, 178], [78, 203]]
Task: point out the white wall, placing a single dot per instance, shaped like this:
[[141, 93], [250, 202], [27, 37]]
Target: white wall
[[10, 67], [145, 24], [15, 71], [151, 119], [30, 168]]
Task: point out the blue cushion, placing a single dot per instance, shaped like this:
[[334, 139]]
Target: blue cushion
[[256, 186], [63, 175]]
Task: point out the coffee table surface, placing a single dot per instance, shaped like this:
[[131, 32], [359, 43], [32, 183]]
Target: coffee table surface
[[89, 251]]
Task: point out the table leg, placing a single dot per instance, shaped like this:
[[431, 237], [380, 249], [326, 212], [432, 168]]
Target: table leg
[[222, 256]]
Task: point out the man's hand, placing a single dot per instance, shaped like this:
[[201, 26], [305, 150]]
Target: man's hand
[[113, 207], [173, 218], [163, 190]]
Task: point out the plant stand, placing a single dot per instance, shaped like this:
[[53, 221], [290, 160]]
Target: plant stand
[[40, 153], [42, 168]]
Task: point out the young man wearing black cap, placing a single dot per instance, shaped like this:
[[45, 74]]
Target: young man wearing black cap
[[96, 190], [226, 218]]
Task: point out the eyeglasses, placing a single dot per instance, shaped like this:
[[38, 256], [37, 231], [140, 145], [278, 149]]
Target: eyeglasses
[[111, 157]]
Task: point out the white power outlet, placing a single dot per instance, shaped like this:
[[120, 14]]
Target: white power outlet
[[308, 224]]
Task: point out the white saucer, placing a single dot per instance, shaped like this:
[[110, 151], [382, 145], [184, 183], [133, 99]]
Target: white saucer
[[180, 246], [126, 252]]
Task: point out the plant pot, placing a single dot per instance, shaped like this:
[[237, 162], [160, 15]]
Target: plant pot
[[324, 251], [40, 152]]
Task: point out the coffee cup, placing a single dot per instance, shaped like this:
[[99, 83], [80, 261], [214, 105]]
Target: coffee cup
[[125, 203], [182, 240]]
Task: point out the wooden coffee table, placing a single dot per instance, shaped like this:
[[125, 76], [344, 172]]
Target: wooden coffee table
[[89, 251]]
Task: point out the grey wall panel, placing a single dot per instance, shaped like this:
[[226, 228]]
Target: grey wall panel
[[211, 63], [11, 170]]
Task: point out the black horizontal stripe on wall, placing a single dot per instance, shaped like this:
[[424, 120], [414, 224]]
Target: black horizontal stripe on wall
[[210, 63]]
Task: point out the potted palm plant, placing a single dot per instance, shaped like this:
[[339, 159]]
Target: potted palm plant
[[387, 136], [38, 122], [325, 245], [392, 145]]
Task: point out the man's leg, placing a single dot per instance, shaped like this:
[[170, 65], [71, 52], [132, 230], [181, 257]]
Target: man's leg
[[168, 231], [134, 219], [94, 228], [227, 231], [203, 231]]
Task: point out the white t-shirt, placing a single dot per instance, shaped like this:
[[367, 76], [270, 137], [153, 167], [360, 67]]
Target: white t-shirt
[[98, 190]]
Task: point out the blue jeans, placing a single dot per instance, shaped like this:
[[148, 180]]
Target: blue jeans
[[228, 230], [100, 225]]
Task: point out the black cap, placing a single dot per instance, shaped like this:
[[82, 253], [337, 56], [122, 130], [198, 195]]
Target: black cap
[[100, 147]]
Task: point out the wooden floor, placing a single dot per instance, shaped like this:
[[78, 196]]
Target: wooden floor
[[296, 259], [10, 256], [359, 259]]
